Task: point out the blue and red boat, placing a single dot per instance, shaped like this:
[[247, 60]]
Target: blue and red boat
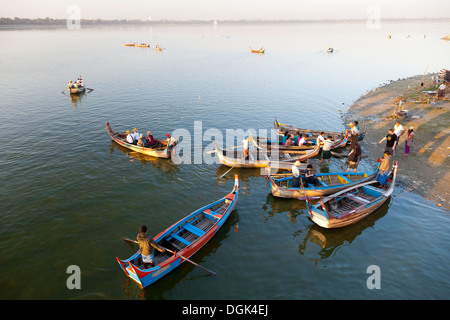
[[182, 240]]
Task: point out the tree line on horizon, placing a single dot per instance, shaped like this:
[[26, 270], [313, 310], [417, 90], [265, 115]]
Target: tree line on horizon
[[62, 22]]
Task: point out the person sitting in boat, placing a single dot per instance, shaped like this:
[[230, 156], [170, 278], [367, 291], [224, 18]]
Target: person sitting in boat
[[296, 138], [310, 177], [135, 135], [170, 140], [288, 141], [286, 134], [150, 140], [302, 141], [142, 142], [147, 246], [130, 138], [69, 84]]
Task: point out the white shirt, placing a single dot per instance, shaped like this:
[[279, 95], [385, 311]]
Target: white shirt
[[245, 142], [355, 130], [135, 136], [129, 138], [302, 141], [327, 145], [398, 130], [320, 140], [295, 171]]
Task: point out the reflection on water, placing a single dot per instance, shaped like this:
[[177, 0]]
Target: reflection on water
[[329, 240], [165, 165]]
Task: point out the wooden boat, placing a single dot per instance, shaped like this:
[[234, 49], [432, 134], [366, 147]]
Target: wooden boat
[[159, 48], [142, 45], [263, 143], [185, 237], [281, 184], [161, 150], [80, 89], [352, 204], [330, 50], [263, 158], [446, 37], [129, 44], [314, 133], [261, 50]]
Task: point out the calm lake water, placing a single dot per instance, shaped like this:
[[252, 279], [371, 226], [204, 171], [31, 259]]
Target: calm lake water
[[69, 194]]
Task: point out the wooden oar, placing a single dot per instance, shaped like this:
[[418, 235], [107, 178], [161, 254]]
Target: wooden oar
[[212, 151], [228, 170], [179, 255]]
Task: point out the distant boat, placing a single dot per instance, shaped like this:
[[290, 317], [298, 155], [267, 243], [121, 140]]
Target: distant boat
[[446, 37], [159, 48], [260, 50], [142, 45], [129, 44], [330, 50]]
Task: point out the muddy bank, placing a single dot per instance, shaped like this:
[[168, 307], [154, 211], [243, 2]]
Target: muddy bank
[[426, 169]]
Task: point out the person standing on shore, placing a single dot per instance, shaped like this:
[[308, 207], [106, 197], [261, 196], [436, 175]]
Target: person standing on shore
[[391, 142], [409, 142], [399, 131], [354, 157], [354, 137]]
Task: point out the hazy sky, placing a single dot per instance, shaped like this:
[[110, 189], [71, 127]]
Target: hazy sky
[[226, 9]]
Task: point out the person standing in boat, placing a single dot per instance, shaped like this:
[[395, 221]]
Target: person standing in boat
[[296, 174], [383, 169], [391, 142], [354, 157], [245, 147], [170, 140], [326, 150], [409, 141], [320, 139], [147, 246]]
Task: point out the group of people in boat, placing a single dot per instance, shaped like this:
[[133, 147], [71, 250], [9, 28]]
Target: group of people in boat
[[133, 137], [75, 84]]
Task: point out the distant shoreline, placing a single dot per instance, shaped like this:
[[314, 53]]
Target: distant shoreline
[[95, 22]]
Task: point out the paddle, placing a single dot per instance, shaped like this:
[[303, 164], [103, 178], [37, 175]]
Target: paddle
[[179, 255], [228, 171]]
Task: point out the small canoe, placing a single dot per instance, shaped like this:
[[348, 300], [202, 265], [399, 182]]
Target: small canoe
[[143, 45], [281, 184], [185, 237], [257, 50], [330, 50], [80, 89], [262, 158], [160, 150], [352, 204], [129, 44]]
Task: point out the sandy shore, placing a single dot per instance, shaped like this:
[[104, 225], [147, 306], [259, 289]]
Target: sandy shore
[[426, 169]]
